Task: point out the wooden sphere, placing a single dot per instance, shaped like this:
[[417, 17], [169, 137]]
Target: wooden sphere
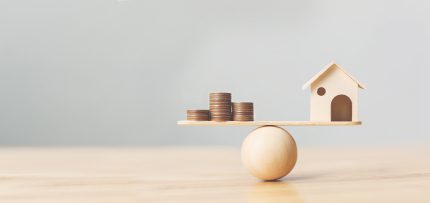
[[269, 152]]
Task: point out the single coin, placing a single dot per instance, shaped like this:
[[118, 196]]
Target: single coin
[[242, 119], [220, 117], [242, 110], [220, 110], [237, 116], [220, 94], [241, 106], [245, 108], [197, 110], [193, 118], [220, 105], [243, 103], [219, 120], [221, 113], [193, 115], [219, 99]]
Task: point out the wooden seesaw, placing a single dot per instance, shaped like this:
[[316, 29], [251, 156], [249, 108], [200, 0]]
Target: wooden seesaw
[[269, 152]]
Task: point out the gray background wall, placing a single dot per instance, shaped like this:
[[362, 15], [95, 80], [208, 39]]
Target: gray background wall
[[105, 72]]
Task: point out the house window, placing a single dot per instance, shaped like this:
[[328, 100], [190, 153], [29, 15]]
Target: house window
[[321, 91]]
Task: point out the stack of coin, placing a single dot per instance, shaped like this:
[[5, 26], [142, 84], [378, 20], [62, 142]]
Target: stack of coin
[[198, 115], [220, 106], [243, 111]]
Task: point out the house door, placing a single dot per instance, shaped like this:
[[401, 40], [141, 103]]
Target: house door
[[341, 108]]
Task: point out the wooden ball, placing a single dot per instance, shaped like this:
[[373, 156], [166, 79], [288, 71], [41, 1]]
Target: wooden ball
[[269, 152]]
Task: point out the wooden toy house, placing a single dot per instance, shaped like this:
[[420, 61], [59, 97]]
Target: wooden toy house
[[334, 95]]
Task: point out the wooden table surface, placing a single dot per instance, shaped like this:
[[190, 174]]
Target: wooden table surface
[[210, 174]]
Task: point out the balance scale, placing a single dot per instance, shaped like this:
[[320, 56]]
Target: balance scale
[[269, 152], [268, 143]]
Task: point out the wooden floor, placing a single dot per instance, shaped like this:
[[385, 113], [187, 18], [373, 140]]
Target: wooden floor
[[210, 175]]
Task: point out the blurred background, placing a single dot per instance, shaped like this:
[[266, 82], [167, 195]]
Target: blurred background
[[121, 73]]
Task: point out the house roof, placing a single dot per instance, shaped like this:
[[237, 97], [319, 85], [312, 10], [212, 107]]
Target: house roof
[[328, 67]]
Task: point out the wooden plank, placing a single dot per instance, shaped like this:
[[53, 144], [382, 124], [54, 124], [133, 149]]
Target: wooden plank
[[262, 123], [211, 174]]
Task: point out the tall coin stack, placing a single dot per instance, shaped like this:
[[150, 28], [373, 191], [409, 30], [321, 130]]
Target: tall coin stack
[[243, 111], [198, 115], [220, 106]]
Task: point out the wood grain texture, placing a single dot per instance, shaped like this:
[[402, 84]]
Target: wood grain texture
[[262, 123], [210, 175], [269, 153]]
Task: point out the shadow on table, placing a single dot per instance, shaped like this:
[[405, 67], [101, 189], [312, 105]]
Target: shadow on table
[[301, 177], [274, 191]]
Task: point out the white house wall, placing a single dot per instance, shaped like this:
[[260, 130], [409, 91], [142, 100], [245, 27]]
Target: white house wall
[[335, 83]]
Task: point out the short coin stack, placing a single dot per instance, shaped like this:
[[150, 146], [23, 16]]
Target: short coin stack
[[198, 115], [220, 106], [243, 111]]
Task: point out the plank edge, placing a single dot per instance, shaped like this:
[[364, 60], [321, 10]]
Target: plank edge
[[263, 123]]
